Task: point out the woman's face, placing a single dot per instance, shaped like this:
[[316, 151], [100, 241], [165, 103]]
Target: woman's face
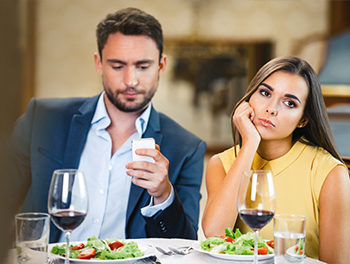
[[279, 104]]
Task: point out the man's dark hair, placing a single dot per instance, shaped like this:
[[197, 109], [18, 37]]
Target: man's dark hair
[[129, 21]]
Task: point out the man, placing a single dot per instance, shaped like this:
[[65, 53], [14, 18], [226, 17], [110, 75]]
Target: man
[[127, 199]]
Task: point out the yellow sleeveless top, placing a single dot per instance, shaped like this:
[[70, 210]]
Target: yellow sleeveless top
[[298, 177]]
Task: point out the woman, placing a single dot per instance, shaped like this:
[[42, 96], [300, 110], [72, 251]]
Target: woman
[[281, 124]]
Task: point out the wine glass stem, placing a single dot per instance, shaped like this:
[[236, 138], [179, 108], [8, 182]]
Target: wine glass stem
[[66, 261], [256, 237]]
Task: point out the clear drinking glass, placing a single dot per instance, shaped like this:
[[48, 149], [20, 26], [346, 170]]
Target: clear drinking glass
[[68, 201], [256, 202], [289, 234], [32, 237]]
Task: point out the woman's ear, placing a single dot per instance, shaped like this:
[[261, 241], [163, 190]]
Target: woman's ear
[[303, 122]]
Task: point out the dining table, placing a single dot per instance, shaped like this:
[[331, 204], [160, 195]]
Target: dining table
[[156, 257]]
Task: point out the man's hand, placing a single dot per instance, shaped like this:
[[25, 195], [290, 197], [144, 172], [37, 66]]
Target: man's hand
[[151, 176]]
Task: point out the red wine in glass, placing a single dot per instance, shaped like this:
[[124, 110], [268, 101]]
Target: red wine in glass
[[256, 219], [68, 201], [66, 219], [256, 202]]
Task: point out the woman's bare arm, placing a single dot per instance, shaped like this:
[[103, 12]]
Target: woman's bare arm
[[221, 208], [335, 217]]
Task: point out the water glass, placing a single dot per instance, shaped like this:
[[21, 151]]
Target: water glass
[[32, 237], [289, 234]]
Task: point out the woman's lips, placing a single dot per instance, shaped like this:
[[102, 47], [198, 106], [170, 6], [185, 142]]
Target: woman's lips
[[266, 123]]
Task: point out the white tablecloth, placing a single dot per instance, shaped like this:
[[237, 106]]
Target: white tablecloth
[[193, 257]]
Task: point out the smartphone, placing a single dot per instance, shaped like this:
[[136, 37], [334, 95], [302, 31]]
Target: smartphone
[[147, 143]]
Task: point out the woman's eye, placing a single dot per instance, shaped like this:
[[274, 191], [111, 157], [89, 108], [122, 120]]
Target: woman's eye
[[290, 104], [264, 92]]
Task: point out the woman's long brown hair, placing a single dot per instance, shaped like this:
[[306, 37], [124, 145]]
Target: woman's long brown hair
[[317, 132]]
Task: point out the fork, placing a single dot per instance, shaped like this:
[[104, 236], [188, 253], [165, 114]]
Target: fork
[[164, 251], [181, 250]]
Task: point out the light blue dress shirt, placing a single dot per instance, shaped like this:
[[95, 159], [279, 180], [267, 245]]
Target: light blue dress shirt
[[107, 182]]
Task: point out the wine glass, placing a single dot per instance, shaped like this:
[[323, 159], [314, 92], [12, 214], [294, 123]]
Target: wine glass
[[68, 201], [256, 202]]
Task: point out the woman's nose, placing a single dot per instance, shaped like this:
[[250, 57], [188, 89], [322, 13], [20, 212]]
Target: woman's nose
[[271, 109]]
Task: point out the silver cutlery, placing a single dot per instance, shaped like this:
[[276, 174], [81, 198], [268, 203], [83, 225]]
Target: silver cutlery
[[181, 250], [164, 251]]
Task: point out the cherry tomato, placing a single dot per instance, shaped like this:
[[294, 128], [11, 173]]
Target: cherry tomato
[[262, 251], [77, 247], [87, 253], [115, 245], [297, 251], [227, 239], [271, 243]]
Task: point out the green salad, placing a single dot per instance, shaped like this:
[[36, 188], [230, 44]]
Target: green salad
[[100, 249], [235, 243]]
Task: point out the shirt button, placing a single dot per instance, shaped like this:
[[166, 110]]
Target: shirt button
[[110, 167], [96, 221], [102, 191]]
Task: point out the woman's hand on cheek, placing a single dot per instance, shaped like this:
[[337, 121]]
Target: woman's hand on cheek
[[243, 119]]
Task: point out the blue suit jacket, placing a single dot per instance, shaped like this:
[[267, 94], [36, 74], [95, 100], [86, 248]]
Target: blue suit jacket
[[52, 134]]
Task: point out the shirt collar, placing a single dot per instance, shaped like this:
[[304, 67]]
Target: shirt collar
[[280, 164], [102, 120]]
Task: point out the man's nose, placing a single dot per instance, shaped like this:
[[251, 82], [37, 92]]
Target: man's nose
[[130, 77]]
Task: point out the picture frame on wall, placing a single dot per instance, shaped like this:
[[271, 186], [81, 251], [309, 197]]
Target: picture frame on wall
[[204, 80]]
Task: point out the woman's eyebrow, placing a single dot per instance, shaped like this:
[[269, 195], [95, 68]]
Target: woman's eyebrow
[[293, 97], [286, 95], [267, 86]]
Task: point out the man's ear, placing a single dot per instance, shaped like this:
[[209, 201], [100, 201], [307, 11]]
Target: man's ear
[[98, 63], [303, 122], [162, 63]]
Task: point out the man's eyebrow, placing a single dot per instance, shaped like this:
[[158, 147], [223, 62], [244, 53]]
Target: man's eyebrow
[[116, 61], [124, 63], [144, 62], [286, 95]]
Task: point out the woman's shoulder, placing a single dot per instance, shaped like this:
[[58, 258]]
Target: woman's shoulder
[[227, 157], [321, 155], [323, 164]]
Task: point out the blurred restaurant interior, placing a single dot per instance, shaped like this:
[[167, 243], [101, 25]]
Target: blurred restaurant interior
[[214, 47]]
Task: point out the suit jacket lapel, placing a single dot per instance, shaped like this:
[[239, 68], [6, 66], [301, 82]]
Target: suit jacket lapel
[[78, 131], [153, 130]]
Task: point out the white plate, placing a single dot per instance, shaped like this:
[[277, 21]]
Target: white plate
[[196, 246], [147, 251]]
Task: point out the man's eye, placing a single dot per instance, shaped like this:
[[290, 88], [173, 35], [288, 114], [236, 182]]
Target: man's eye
[[143, 67], [117, 67], [290, 104]]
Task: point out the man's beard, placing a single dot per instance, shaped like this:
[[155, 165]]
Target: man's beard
[[122, 106]]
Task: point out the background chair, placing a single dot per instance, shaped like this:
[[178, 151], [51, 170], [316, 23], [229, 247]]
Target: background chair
[[334, 75], [335, 82]]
